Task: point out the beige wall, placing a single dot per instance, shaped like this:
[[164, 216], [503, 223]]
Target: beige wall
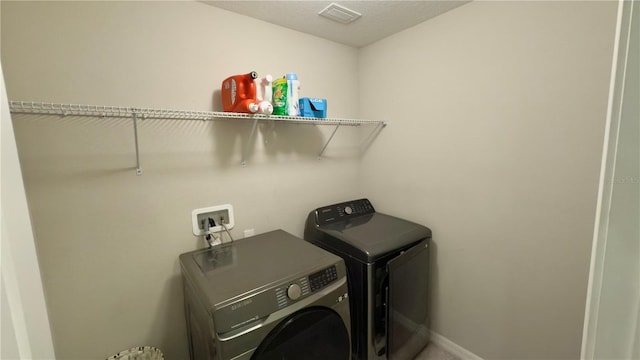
[[496, 108], [498, 113], [108, 241]]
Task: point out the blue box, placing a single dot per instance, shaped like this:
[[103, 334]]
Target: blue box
[[313, 107]]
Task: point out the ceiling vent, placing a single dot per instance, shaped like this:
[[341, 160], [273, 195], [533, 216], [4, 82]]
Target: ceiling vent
[[339, 13]]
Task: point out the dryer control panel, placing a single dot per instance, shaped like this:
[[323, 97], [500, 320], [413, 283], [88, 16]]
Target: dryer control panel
[[342, 211]]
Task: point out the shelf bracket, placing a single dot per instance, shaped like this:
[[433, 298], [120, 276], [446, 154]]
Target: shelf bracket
[[372, 136], [245, 151], [135, 135], [328, 141]]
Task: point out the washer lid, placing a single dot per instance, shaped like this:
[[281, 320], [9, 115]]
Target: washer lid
[[371, 236]]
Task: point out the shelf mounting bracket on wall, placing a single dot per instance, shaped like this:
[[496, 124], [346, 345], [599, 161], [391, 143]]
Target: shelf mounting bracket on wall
[[135, 134], [328, 141], [245, 151], [372, 136]]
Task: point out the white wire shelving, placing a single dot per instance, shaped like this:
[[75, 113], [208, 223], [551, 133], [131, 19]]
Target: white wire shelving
[[134, 113]]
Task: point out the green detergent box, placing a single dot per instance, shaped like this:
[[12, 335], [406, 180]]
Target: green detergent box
[[313, 107]]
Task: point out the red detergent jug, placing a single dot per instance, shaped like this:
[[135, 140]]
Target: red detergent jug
[[239, 93]]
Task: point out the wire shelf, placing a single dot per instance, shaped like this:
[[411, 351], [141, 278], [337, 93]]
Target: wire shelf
[[44, 108]]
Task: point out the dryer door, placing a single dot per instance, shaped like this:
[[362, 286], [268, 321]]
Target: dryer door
[[316, 333], [408, 302]]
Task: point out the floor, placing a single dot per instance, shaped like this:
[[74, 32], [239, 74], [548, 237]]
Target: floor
[[432, 352]]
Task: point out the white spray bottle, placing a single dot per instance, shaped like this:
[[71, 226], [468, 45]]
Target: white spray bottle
[[264, 94], [293, 88]]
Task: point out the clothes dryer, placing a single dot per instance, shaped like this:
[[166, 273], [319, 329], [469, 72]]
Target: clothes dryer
[[270, 296], [387, 261]]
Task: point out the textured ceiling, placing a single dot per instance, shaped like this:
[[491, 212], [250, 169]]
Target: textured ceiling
[[379, 18]]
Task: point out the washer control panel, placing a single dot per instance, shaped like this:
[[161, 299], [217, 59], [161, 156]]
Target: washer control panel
[[342, 211], [323, 278], [288, 293]]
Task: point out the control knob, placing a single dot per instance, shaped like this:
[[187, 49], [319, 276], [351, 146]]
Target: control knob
[[294, 291], [348, 210]]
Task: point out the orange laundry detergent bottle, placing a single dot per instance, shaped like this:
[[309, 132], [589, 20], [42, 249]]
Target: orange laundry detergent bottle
[[239, 93]]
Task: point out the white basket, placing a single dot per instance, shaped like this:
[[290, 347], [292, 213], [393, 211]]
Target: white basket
[[139, 353]]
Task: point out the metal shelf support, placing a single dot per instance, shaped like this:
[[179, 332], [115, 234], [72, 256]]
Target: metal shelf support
[[245, 151], [135, 134], [328, 141]]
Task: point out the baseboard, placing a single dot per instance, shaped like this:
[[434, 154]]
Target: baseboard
[[452, 348]]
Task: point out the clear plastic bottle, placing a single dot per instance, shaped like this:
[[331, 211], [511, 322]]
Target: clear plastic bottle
[[293, 89]]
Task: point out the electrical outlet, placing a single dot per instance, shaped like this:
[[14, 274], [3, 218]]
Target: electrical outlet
[[219, 214], [248, 232]]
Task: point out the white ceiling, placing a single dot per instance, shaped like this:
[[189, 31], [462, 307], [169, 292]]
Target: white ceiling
[[379, 18]]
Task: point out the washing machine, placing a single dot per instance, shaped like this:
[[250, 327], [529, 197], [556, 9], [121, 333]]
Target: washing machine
[[387, 260], [270, 296]]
